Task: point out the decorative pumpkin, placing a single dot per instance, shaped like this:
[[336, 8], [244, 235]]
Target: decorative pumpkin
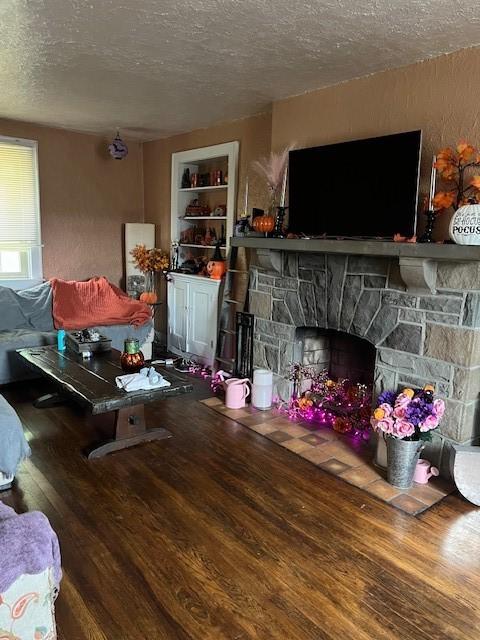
[[150, 297], [264, 224], [132, 359], [216, 267], [465, 225]]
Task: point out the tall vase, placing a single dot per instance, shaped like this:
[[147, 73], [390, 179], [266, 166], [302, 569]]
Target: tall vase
[[149, 295], [402, 458]]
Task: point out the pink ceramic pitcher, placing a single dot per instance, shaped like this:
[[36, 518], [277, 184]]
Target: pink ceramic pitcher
[[424, 471], [236, 391]]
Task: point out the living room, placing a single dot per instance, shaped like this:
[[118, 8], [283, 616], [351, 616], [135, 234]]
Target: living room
[[296, 494]]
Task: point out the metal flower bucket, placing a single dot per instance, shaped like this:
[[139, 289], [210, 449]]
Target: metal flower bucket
[[402, 458]]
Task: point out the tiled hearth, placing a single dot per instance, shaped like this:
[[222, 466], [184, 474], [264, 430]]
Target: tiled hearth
[[348, 459]]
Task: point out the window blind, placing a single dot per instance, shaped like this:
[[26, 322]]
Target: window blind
[[19, 205]]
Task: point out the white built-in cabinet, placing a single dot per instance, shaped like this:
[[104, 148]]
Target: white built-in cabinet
[[192, 316], [193, 300]]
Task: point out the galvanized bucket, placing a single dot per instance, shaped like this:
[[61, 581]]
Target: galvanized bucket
[[402, 458]]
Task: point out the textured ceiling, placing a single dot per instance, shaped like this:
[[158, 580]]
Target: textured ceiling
[[158, 67]]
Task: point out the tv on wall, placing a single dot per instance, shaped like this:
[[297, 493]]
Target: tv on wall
[[364, 188]]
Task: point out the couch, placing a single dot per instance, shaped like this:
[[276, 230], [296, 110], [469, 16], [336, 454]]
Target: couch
[[26, 321], [30, 574]]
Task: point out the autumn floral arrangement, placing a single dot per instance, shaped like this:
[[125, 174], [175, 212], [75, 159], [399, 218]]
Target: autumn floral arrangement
[[340, 404], [459, 171], [409, 415], [273, 169], [149, 262]]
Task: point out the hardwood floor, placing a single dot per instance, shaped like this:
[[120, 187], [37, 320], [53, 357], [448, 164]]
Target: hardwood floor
[[218, 533]]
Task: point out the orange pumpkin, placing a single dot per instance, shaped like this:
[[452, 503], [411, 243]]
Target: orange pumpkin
[[264, 224], [216, 269], [149, 297]]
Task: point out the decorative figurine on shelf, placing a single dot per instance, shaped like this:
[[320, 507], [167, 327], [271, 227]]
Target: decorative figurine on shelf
[[429, 211], [216, 267], [186, 179]]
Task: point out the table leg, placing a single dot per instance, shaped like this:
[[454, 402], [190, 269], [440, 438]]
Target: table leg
[[129, 430]]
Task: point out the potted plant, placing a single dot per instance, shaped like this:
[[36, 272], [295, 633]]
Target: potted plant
[[406, 421], [149, 262]]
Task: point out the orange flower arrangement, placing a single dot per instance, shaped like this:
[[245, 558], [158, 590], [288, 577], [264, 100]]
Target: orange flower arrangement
[[149, 259], [457, 166]]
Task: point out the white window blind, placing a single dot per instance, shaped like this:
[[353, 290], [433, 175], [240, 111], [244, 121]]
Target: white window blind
[[20, 253]]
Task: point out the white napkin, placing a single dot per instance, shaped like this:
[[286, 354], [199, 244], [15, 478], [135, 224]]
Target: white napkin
[[146, 378]]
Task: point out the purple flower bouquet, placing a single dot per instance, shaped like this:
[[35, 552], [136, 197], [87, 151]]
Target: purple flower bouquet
[[409, 415]]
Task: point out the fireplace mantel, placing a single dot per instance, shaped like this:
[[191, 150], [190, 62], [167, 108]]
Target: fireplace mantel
[[418, 262]]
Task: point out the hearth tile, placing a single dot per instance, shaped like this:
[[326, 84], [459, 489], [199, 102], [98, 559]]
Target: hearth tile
[[442, 485], [382, 489], [408, 504], [361, 476], [282, 422], [211, 402], [256, 418], [316, 454], [296, 445], [326, 434], [313, 439], [294, 430], [263, 428], [341, 451], [236, 413], [426, 493], [334, 466], [278, 436]]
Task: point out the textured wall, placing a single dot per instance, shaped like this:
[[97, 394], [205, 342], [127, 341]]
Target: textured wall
[[85, 197], [440, 96]]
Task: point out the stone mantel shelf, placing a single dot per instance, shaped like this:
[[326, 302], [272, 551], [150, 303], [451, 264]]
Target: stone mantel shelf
[[418, 262]]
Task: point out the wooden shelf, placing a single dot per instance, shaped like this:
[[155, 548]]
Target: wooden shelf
[[212, 188], [202, 218], [201, 246]]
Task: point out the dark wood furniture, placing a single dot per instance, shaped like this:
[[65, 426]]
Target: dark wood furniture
[[91, 383]]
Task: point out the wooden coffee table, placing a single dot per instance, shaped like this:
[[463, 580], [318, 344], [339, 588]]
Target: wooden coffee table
[[91, 384]]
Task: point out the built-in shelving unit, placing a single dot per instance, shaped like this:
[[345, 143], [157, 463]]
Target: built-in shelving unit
[[192, 299], [206, 160]]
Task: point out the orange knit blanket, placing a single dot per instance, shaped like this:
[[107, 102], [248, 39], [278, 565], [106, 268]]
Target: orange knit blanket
[[79, 305]]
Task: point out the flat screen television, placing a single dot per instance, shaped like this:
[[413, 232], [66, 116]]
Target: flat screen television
[[364, 188]]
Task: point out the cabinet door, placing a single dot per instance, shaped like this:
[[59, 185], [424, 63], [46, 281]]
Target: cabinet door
[[177, 313], [202, 320]]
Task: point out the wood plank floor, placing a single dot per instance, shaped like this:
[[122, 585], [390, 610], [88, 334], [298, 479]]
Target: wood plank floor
[[219, 533]]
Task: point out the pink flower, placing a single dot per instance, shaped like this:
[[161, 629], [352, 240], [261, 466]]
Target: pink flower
[[403, 429], [387, 408], [399, 412], [430, 422], [385, 425], [402, 400], [439, 408]]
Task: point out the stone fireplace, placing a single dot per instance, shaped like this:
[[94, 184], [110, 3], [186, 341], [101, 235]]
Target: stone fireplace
[[306, 306]]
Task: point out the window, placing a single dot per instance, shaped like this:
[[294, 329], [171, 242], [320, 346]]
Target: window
[[20, 244]]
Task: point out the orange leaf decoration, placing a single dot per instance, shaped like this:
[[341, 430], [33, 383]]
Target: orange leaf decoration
[[475, 182], [465, 151], [443, 200]]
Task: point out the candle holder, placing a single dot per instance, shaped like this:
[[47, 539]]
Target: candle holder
[[278, 229], [427, 234]]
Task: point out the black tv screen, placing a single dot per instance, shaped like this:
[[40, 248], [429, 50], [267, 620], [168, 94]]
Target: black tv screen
[[365, 188]]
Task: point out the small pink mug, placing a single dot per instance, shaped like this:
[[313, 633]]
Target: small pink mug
[[424, 471], [236, 391]]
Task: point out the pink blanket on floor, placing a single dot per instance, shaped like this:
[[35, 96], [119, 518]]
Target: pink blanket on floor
[[78, 305]]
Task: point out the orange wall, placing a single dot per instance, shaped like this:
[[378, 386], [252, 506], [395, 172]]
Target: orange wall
[[254, 135], [85, 197], [440, 96]]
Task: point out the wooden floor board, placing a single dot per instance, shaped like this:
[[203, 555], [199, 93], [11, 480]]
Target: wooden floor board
[[219, 533]]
